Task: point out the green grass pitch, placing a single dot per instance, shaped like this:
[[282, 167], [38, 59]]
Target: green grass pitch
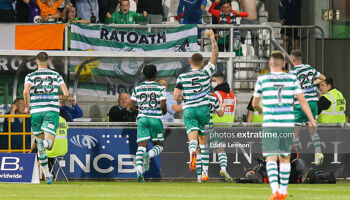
[[166, 190]]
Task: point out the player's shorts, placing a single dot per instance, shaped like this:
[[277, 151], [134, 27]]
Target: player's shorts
[[149, 129], [277, 141], [45, 122], [196, 119], [300, 116]]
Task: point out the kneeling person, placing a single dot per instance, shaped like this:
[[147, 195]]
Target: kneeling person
[[150, 98]]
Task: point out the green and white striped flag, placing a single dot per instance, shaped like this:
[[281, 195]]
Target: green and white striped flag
[[107, 38]]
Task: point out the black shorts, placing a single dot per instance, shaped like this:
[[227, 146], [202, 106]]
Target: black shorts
[[289, 33]]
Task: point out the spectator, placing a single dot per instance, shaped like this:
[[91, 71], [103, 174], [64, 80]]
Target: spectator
[[69, 15], [225, 96], [49, 10], [7, 14], [125, 16], [107, 7], [191, 11], [17, 108], [88, 9], [34, 10], [22, 11], [169, 116], [290, 14], [332, 105], [154, 8], [253, 115], [252, 19], [73, 112], [227, 16], [122, 112]]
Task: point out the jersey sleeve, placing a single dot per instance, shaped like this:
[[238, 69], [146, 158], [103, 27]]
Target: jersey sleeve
[[163, 94], [28, 80], [297, 88], [258, 88], [209, 69], [216, 104], [60, 79], [133, 96], [179, 83]]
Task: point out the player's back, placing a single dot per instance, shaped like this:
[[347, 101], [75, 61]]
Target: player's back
[[306, 75], [195, 86], [277, 91], [44, 90], [148, 96]]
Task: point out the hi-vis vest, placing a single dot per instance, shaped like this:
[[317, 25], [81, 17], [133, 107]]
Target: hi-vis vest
[[336, 111], [257, 118], [229, 100], [60, 146]]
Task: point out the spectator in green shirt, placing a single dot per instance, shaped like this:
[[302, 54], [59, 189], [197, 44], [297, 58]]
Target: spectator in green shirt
[[125, 16]]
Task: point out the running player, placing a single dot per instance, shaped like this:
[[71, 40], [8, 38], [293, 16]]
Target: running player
[[278, 90], [202, 164], [308, 78], [41, 98], [193, 87], [150, 98]]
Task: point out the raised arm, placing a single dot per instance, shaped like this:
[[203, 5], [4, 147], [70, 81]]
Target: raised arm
[[214, 47], [212, 10]]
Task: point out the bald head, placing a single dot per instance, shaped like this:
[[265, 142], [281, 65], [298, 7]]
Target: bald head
[[163, 82], [123, 99]]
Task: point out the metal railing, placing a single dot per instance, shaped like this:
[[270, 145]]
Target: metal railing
[[10, 133]]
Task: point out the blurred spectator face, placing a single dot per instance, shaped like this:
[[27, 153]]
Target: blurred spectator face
[[20, 106], [324, 87], [163, 83], [226, 8], [50, 3], [125, 6], [123, 100], [72, 13]]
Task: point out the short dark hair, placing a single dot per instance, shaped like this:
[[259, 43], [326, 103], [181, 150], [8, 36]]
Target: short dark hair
[[42, 57], [297, 54], [224, 2], [16, 100], [329, 81], [197, 59], [278, 55], [219, 75], [150, 71]]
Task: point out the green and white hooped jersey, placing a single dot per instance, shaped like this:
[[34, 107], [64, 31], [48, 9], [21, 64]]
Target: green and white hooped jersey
[[195, 86], [306, 76], [277, 90], [148, 96], [44, 90], [213, 107]]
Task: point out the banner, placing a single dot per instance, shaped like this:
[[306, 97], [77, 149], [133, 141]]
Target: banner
[[104, 153], [110, 153], [19, 168], [107, 77], [39, 37], [106, 38]]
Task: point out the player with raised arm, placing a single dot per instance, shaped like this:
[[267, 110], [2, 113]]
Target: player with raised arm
[[308, 77], [277, 90], [150, 98], [41, 98], [192, 87]]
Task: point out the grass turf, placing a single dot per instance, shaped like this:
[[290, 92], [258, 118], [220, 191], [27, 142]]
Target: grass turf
[[166, 190]]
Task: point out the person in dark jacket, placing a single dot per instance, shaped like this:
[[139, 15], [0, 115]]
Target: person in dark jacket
[[17, 108], [73, 112], [122, 112]]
